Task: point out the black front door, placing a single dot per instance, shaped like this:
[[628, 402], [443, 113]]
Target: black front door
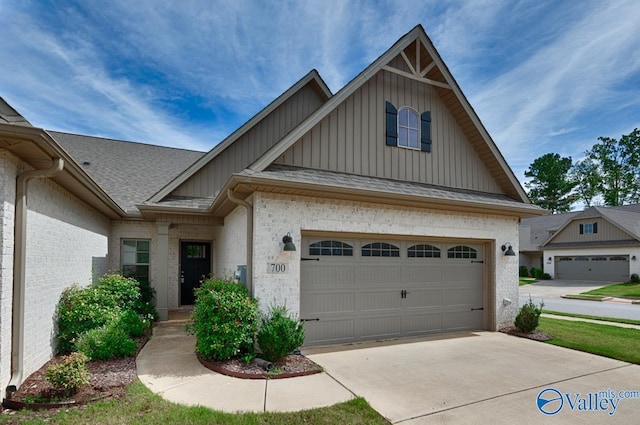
[[195, 265]]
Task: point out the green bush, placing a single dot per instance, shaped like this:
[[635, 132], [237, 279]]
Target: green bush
[[82, 309], [70, 374], [529, 316], [546, 276], [224, 320], [131, 322], [524, 271], [279, 334], [634, 278], [124, 290], [106, 342], [536, 273]]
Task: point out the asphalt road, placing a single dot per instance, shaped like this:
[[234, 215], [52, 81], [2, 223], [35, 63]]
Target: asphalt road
[[550, 293]]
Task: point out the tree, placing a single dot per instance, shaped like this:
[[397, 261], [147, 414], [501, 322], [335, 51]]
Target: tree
[[586, 175], [618, 164], [550, 185]]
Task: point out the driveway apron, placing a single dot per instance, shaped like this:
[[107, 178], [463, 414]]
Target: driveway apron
[[480, 378]]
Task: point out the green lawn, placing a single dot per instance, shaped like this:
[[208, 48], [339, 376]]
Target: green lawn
[[620, 290], [604, 340], [526, 280], [141, 406], [586, 316]]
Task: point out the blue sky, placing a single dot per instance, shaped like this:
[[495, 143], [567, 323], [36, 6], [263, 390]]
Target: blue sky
[[544, 76]]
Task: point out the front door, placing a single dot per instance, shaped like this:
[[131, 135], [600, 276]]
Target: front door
[[195, 265]]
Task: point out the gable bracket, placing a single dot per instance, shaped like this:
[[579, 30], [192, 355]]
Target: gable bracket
[[408, 62], [427, 69], [416, 77]]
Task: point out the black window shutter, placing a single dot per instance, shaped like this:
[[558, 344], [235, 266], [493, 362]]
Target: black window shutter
[[582, 229], [425, 131], [595, 227], [392, 124]]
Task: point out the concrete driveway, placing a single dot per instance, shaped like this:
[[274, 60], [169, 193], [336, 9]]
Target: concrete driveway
[[557, 288], [482, 378]]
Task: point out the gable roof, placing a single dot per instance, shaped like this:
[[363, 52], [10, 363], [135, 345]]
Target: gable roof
[[130, 172], [439, 76], [538, 232], [8, 115], [313, 77]]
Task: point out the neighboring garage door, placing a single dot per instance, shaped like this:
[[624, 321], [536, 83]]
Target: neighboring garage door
[[355, 290], [612, 268]]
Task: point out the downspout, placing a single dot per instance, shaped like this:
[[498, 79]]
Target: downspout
[[249, 208], [19, 275]]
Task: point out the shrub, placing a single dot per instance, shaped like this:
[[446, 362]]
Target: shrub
[[106, 342], [546, 276], [536, 273], [68, 375], [279, 334], [124, 290], [529, 316], [524, 272], [224, 320], [82, 309], [131, 322], [634, 278]]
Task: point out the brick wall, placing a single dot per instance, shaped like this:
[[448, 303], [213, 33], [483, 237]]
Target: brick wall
[[276, 215], [67, 243], [231, 243]]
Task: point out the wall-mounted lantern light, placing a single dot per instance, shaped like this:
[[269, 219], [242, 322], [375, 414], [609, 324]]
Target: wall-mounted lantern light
[[288, 243], [549, 258], [508, 250], [633, 258]]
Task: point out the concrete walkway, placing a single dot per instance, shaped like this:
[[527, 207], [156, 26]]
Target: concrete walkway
[[461, 378], [168, 366]]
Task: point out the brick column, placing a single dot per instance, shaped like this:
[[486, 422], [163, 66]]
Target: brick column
[[162, 271]]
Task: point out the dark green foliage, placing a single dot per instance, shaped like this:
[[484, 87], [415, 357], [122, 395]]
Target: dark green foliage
[[536, 273], [529, 316], [106, 342], [550, 186], [131, 322], [546, 276], [634, 278], [70, 374], [279, 334], [524, 271], [224, 320], [82, 309]]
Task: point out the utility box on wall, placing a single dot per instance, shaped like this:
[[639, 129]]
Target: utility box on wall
[[241, 275]]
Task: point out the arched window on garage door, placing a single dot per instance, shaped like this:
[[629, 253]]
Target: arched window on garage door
[[380, 249], [462, 251], [332, 248], [423, 251]]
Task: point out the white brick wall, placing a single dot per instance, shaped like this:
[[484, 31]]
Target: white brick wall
[[67, 242], [146, 230], [275, 215], [231, 243]]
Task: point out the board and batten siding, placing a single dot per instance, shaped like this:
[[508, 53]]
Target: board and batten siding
[[250, 146], [606, 232], [351, 139]]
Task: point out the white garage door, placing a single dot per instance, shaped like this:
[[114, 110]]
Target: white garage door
[[612, 268], [355, 290]]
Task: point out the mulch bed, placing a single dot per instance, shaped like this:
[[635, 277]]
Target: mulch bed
[[288, 367], [534, 335]]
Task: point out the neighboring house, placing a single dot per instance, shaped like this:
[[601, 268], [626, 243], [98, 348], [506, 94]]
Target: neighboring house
[[599, 243], [398, 202]]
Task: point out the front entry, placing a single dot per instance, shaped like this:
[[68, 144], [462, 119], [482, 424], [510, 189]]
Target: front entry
[[195, 265]]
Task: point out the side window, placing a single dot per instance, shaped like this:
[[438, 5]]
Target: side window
[[423, 251], [462, 251], [588, 228], [333, 248], [408, 129], [380, 249], [135, 259]]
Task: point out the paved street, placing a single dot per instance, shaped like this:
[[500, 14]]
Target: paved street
[[551, 292]]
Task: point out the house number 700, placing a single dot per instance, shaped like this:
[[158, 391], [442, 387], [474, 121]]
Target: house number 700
[[277, 268]]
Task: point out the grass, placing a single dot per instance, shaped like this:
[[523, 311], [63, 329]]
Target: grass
[[604, 340], [141, 406], [620, 290], [586, 316], [526, 280]]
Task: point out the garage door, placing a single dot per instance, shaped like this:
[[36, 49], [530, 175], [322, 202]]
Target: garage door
[[355, 290], [612, 268]]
